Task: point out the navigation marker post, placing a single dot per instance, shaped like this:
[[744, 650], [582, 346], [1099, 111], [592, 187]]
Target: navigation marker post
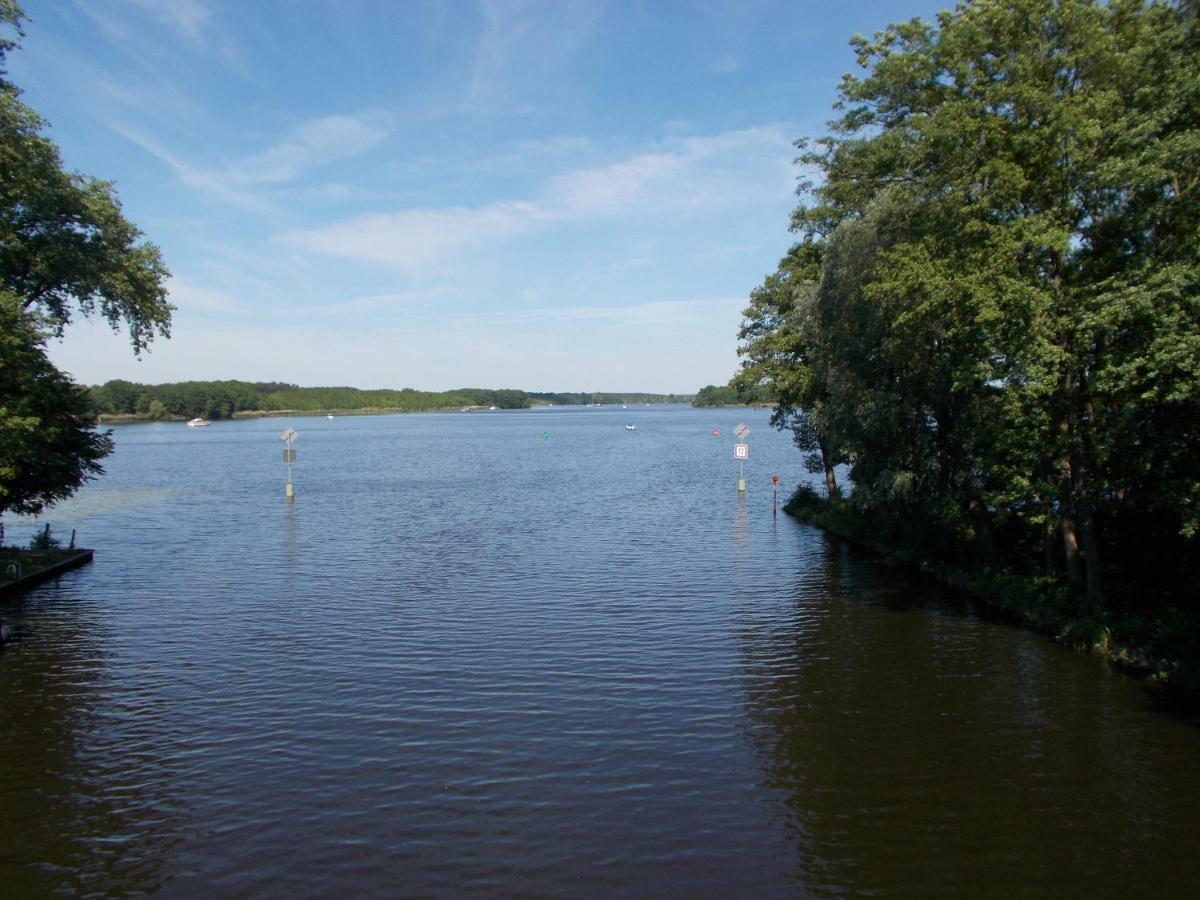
[[774, 493], [289, 457], [741, 452]]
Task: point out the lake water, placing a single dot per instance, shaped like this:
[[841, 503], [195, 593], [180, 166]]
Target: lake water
[[532, 653]]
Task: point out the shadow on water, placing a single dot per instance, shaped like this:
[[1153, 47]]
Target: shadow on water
[[916, 744], [90, 816]]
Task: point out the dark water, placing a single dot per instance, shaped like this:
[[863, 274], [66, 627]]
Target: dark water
[[534, 654]]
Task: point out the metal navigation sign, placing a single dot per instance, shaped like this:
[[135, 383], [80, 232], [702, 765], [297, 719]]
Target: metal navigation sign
[[741, 451], [289, 457], [741, 430]]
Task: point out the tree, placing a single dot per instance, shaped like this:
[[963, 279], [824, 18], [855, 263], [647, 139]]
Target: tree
[[65, 247], [1005, 332], [48, 447], [781, 349]]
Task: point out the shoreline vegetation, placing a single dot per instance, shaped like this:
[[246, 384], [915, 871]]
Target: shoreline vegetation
[[123, 402], [1161, 646], [986, 336], [713, 395]]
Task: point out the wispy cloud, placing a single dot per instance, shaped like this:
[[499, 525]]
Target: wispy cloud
[[414, 239], [522, 41], [692, 176], [672, 313], [211, 183], [375, 303], [313, 143], [188, 18], [193, 298], [136, 29], [619, 188]]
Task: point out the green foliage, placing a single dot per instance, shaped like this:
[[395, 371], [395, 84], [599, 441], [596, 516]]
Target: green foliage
[[44, 540], [993, 312], [65, 247], [607, 399], [48, 447], [730, 395], [222, 399]]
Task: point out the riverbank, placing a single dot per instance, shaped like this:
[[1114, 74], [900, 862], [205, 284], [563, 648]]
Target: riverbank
[[22, 569], [1163, 647]]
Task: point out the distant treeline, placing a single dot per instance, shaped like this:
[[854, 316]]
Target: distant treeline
[[222, 399], [602, 398], [747, 395]]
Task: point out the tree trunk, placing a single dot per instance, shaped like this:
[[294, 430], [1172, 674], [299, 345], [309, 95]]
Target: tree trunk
[[985, 543], [1091, 549], [1081, 527], [1050, 546], [1071, 551], [831, 486]]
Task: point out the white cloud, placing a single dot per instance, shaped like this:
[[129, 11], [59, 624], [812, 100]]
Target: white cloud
[[672, 313], [313, 143], [620, 188], [189, 297], [415, 239], [206, 182], [373, 303], [124, 27], [523, 42], [310, 145], [692, 176], [187, 17], [674, 345]]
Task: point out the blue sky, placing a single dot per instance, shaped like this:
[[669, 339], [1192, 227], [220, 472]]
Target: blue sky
[[549, 196]]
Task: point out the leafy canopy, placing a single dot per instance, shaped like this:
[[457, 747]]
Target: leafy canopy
[[65, 247]]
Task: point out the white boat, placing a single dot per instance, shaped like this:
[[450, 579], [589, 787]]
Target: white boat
[[629, 426], [198, 423], [329, 415]]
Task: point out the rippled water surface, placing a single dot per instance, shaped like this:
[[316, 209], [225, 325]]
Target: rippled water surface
[[534, 654]]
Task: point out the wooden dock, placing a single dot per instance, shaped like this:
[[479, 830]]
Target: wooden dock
[[15, 576]]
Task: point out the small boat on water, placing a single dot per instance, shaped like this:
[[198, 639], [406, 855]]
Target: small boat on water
[[198, 422], [629, 426]]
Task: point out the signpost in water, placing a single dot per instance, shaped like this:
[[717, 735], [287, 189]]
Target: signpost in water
[[289, 457], [741, 452]]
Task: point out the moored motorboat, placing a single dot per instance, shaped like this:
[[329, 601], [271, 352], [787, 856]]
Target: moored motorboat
[[198, 422]]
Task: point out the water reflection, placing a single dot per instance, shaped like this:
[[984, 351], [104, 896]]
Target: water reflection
[[93, 813], [914, 748]]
